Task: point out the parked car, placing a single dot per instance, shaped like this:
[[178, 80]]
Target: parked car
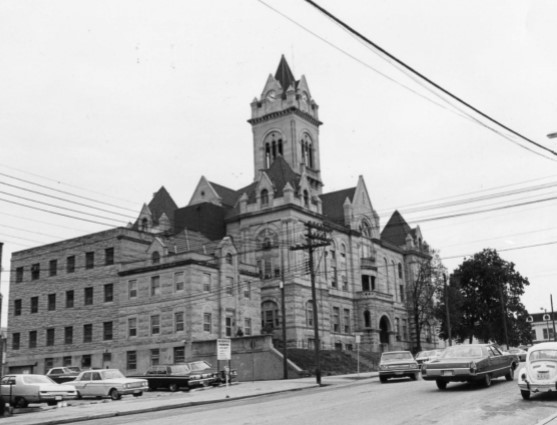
[[539, 373], [61, 374], [425, 356], [21, 389], [519, 352], [184, 376], [397, 364], [108, 383], [470, 363]]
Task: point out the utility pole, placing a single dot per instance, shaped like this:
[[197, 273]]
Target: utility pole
[[283, 309], [553, 317], [503, 313], [447, 309], [316, 237]]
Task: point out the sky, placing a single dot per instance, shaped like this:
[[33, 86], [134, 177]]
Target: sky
[[103, 102]]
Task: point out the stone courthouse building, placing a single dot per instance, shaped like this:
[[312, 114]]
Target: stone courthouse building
[[133, 296]]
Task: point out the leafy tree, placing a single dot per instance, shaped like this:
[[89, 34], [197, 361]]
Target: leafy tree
[[424, 292], [485, 302]]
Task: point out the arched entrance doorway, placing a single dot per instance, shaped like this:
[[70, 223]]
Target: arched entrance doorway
[[384, 328]]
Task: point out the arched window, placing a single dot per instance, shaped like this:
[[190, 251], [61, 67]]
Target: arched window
[[155, 257], [400, 270], [306, 199], [273, 148], [307, 151], [367, 319], [144, 224], [269, 316], [343, 267], [229, 258], [387, 276], [264, 197], [268, 256]]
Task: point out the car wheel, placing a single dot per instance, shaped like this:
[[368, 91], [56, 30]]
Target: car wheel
[[20, 403], [114, 394], [509, 376], [51, 403], [382, 379], [525, 394], [414, 377], [78, 395], [487, 380], [173, 388], [441, 384]]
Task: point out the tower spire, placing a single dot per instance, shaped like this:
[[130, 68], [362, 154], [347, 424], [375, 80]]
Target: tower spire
[[284, 75]]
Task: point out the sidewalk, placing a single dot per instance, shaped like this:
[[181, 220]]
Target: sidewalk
[[149, 402]]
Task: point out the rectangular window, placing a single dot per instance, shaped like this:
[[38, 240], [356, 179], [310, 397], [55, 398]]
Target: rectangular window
[[207, 322], [334, 277], [179, 281], [132, 289], [89, 260], [32, 339], [70, 264], [155, 285], [405, 329], [108, 293], [107, 357], [401, 291], [51, 302], [107, 331], [347, 321], [48, 364], [179, 355], [132, 327], [131, 360], [336, 319], [366, 286], [86, 361], [19, 275], [229, 285], [17, 307], [344, 283], [69, 299], [88, 333], [35, 271], [397, 328], [548, 333], [207, 282], [155, 356], [247, 289], [228, 326], [247, 326], [179, 321], [68, 335], [50, 337], [15, 341], [109, 256], [53, 267], [155, 324], [34, 304], [67, 361], [88, 296]]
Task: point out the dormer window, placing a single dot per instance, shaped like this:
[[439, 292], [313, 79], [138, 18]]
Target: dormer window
[[155, 257], [229, 258], [144, 224], [264, 197]]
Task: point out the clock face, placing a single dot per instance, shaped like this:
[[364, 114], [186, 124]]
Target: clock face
[[271, 95]]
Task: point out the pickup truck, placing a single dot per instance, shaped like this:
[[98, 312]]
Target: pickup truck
[[178, 376]]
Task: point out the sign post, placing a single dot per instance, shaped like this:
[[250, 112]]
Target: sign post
[[358, 339], [224, 352]]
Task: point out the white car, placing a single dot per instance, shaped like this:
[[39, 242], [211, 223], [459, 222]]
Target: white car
[[539, 373], [21, 389], [108, 383]]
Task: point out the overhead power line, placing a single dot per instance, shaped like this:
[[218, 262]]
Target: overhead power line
[[426, 79]]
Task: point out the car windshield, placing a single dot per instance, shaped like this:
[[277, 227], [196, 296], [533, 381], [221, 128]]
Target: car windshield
[[397, 356], [112, 374], [199, 365], [180, 369], [543, 355], [462, 351], [37, 379]]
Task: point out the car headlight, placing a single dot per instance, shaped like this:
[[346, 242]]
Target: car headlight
[[473, 367], [382, 367]]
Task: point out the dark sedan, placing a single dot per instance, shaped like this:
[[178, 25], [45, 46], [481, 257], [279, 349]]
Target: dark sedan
[[470, 363]]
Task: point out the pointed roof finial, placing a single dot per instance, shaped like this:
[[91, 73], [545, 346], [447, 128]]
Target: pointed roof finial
[[284, 75]]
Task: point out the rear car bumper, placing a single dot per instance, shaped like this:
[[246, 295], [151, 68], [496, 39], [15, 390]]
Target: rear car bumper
[[537, 387], [397, 373]]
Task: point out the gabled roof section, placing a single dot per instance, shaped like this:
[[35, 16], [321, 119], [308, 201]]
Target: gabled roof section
[[162, 203], [228, 196], [281, 173], [396, 230], [284, 75], [190, 241], [333, 203]]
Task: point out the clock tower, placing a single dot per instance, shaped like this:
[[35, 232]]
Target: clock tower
[[285, 122]]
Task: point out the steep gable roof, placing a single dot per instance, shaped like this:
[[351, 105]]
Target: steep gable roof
[[333, 203], [161, 203], [228, 196], [284, 75], [190, 241], [396, 230], [281, 173]]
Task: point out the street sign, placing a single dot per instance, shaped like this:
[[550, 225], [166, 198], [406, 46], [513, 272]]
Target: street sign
[[224, 349]]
